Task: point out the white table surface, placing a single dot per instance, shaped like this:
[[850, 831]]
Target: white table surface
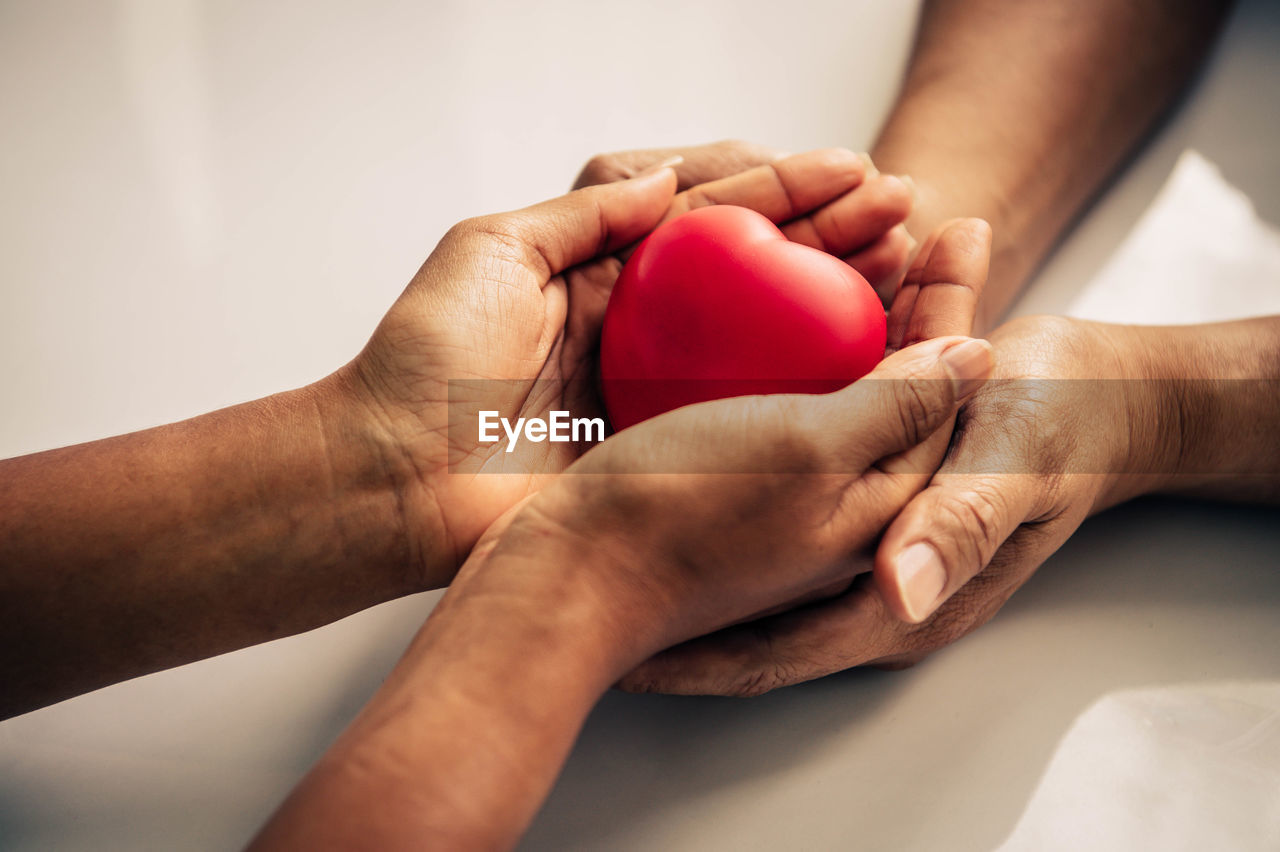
[[204, 203]]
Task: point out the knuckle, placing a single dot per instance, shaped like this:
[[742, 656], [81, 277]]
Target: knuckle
[[920, 405], [697, 196], [503, 238], [977, 514], [464, 231], [736, 155], [498, 227], [733, 145], [602, 168]]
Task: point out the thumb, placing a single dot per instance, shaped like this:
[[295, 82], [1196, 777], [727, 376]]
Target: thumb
[[945, 536], [550, 237], [908, 397]]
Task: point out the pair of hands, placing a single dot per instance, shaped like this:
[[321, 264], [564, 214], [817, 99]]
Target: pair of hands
[[513, 304]]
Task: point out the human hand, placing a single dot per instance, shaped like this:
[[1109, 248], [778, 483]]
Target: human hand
[[691, 520], [1049, 440], [879, 249], [505, 315], [717, 512]]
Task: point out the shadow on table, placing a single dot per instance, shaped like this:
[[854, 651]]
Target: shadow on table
[[1159, 591]]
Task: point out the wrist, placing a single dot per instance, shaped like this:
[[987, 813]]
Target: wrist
[[1220, 384], [1153, 413], [403, 530], [463, 741], [961, 176], [583, 588], [366, 486]]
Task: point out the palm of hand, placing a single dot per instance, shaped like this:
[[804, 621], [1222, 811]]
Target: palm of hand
[[437, 362], [505, 316]]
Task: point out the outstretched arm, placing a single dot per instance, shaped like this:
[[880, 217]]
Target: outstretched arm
[[135, 553], [129, 555], [1017, 112], [600, 569]]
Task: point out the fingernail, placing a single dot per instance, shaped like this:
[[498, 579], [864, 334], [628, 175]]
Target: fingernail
[[969, 364], [669, 162], [921, 579], [911, 186], [872, 171]]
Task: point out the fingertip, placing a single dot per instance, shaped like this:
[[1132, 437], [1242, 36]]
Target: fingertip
[[898, 195], [669, 163], [968, 363], [884, 262], [970, 235], [926, 352], [980, 227], [912, 581], [844, 168]]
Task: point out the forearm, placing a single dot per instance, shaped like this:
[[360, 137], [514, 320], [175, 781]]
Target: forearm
[[1017, 112], [1221, 386], [144, 551], [463, 742]]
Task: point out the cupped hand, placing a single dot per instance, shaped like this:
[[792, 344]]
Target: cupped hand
[[505, 316], [873, 239], [1046, 442]]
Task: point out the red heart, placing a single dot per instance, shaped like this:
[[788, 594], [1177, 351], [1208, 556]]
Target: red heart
[[719, 303]]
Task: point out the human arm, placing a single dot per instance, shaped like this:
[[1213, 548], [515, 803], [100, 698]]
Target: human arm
[[1018, 112], [144, 551], [690, 521], [1014, 112], [1174, 410]]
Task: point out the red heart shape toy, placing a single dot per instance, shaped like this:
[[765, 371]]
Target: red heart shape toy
[[718, 303]]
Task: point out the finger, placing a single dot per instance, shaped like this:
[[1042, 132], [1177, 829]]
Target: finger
[[941, 291], [946, 535], [781, 650], [906, 398], [550, 237], [852, 630], [782, 189], [856, 219], [905, 298], [884, 262], [589, 288], [701, 163]]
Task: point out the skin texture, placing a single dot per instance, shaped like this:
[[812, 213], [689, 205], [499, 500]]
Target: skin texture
[[285, 513], [133, 554], [611, 563], [1180, 410], [600, 569], [1026, 151]]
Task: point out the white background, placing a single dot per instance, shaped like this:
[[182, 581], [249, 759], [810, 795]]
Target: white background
[[206, 202]]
